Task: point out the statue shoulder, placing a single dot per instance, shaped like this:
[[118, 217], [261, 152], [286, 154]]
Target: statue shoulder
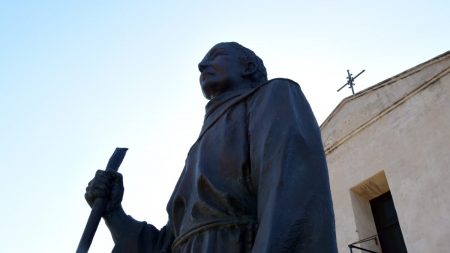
[[276, 87], [281, 81]]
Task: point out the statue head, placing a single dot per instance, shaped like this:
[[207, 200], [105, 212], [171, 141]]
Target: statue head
[[230, 66]]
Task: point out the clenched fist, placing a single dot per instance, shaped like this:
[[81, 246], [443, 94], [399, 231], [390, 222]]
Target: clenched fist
[[107, 185]]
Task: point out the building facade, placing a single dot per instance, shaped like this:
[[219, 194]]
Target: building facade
[[388, 154]]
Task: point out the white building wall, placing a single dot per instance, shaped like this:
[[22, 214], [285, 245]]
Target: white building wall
[[411, 144]]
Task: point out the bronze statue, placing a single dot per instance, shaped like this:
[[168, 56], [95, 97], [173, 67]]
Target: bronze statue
[[255, 180]]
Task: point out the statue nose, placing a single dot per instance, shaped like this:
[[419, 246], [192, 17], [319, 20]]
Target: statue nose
[[202, 65]]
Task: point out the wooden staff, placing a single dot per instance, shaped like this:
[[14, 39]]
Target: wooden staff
[[99, 205]]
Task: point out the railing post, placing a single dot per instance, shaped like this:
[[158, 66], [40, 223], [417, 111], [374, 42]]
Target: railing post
[[352, 246], [365, 250]]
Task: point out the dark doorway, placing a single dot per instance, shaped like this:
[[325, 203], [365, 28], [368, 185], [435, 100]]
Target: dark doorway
[[386, 222]]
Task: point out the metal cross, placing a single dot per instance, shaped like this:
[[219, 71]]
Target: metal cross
[[350, 80]]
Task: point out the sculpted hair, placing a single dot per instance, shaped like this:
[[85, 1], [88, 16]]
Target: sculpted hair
[[247, 55]]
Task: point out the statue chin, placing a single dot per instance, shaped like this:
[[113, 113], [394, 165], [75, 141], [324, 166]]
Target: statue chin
[[212, 90]]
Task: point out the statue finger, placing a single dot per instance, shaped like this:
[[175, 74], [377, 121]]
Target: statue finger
[[102, 188], [117, 179], [89, 198], [91, 183], [103, 175], [100, 193], [99, 173]]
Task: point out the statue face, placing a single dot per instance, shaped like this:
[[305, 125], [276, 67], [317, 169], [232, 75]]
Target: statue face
[[220, 70]]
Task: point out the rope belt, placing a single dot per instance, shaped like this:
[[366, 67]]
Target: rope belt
[[213, 224]]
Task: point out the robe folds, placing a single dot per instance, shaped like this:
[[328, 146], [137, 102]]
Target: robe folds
[[255, 180]]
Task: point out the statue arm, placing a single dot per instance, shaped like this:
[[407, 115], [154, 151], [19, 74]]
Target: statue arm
[[132, 236], [289, 173], [129, 235]]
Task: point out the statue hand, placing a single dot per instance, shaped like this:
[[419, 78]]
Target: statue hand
[[107, 185]]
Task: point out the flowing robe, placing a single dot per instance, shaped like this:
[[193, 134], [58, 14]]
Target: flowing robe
[[255, 181]]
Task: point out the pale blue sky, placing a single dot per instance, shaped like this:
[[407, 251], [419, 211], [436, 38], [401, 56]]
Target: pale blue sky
[[78, 78]]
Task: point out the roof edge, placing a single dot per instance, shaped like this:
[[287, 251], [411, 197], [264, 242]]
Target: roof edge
[[385, 82]]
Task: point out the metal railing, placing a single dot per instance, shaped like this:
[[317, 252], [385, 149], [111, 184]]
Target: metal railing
[[352, 246]]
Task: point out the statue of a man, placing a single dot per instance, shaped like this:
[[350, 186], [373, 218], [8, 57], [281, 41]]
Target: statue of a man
[[255, 180]]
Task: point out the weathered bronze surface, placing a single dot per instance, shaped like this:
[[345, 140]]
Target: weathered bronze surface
[[255, 180]]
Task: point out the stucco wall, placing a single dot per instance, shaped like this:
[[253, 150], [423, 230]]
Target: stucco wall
[[364, 106], [411, 144]]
